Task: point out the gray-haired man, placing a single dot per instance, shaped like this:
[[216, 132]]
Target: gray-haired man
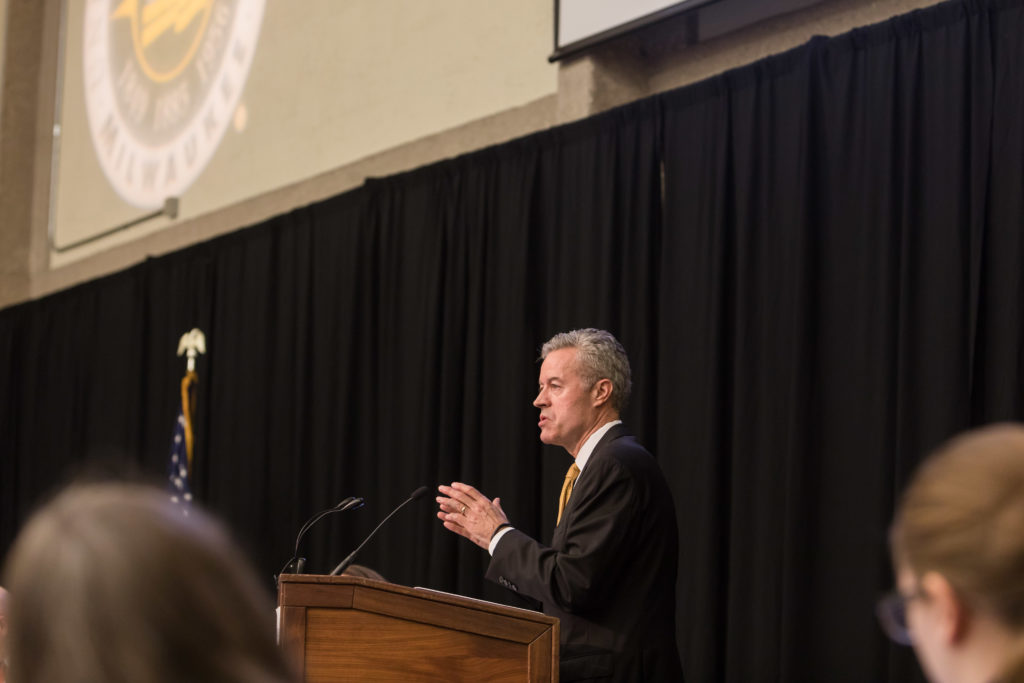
[[609, 573]]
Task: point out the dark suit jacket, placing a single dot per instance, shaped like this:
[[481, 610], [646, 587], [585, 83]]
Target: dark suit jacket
[[609, 574]]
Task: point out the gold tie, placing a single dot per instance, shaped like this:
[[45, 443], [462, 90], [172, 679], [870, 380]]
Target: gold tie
[[570, 479]]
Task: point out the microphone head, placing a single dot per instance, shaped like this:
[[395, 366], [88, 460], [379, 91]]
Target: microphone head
[[419, 493], [343, 503], [353, 504]]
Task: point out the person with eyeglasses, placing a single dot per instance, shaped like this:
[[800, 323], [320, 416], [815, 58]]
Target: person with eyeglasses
[[957, 543]]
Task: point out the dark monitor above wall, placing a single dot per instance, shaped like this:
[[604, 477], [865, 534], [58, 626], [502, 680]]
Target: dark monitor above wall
[[581, 24]]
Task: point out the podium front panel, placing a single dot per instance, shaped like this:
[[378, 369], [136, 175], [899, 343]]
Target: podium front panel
[[352, 629]]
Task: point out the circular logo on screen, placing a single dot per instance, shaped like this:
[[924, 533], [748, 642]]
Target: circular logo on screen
[[162, 82]]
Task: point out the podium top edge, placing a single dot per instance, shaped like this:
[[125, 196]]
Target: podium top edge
[[429, 594]]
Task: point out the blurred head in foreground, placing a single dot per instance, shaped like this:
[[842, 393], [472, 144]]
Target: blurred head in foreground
[[3, 634], [958, 551], [113, 583]]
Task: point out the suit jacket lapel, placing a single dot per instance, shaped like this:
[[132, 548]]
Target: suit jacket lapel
[[619, 430]]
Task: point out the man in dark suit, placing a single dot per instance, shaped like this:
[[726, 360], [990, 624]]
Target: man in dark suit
[[609, 574]]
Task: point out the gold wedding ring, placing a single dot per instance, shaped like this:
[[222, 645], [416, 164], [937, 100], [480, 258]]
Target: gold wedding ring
[[463, 509]]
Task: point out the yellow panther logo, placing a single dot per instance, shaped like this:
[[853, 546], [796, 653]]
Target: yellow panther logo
[[162, 81], [165, 33]]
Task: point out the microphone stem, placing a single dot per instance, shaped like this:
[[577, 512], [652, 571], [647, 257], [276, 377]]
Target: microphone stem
[[343, 565]]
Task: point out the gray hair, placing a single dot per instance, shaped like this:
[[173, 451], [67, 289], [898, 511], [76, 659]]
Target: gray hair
[[600, 356]]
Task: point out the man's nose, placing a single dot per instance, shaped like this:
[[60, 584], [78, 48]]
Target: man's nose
[[540, 400]]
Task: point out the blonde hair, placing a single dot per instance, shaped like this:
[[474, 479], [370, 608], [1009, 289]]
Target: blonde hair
[[963, 517], [112, 583]]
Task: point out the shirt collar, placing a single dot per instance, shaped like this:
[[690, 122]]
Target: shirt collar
[[588, 446]]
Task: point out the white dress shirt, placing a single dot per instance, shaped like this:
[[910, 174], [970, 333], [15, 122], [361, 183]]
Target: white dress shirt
[[581, 462]]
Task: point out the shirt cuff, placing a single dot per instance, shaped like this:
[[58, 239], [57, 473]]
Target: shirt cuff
[[497, 537]]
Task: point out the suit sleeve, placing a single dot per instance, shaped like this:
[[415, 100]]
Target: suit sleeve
[[593, 551]]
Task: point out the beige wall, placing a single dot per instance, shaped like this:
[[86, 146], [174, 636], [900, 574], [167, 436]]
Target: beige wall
[[3, 42], [330, 83], [405, 98]]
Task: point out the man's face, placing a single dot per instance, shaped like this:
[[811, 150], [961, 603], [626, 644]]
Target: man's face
[[567, 410]]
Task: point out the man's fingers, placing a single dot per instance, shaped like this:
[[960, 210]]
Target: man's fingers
[[468, 492], [457, 498], [460, 494], [452, 503], [448, 505], [467, 512], [458, 490], [453, 517]]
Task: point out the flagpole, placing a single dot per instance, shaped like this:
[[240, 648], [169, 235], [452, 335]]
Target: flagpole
[[191, 344]]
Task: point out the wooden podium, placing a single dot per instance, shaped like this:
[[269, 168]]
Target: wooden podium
[[341, 628]]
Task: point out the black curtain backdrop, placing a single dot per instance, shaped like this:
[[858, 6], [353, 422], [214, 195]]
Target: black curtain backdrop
[[814, 263]]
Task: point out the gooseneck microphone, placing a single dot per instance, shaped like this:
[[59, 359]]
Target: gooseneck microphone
[[350, 503], [343, 565]]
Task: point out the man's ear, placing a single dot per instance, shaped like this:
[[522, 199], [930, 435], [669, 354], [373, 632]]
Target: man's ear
[[949, 608], [602, 392]]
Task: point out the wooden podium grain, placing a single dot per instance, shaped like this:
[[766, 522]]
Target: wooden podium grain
[[341, 628]]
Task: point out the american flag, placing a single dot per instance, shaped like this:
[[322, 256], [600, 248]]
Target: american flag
[[180, 465]]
